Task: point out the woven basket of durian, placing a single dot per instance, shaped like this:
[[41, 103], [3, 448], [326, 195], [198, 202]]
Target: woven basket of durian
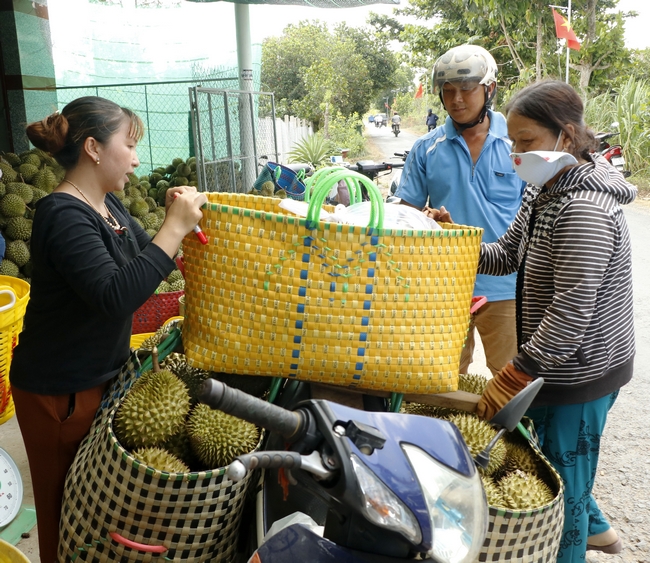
[[152, 473], [524, 492], [161, 306]]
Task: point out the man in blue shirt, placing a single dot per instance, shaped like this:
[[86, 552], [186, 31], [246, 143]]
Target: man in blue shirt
[[464, 167]]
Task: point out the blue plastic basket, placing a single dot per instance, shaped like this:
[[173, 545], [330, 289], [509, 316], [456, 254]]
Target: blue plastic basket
[[284, 179]]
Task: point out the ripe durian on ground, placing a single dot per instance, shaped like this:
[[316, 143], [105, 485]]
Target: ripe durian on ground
[[524, 491], [218, 438], [154, 409], [477, 435], [161, 459]]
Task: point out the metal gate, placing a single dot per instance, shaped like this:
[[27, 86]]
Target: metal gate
[[232, 130]]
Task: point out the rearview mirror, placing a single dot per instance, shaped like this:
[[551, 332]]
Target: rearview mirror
[[510, 415]]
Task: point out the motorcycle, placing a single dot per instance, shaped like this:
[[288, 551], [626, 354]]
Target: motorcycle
[[371, 170], [612, 153], [383, 487], [396, 129], [394, 184]]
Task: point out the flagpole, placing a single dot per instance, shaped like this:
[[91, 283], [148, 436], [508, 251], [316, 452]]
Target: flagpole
[[567, 43]]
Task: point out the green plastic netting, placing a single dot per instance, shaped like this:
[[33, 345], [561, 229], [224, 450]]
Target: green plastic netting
[[312, 3]]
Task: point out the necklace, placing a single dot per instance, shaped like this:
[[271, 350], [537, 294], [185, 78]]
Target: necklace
[[111, 221]]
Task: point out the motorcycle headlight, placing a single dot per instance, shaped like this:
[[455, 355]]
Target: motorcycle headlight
[[457, 507], [382, 507]]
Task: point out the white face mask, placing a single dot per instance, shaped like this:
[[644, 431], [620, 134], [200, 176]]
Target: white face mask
[[538, 167]]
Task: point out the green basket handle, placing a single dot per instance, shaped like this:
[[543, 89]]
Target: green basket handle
[[321, 189], [352, 184], [310, 183]]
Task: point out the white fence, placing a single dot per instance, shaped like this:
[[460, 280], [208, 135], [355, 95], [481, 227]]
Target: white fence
[[289, 130]]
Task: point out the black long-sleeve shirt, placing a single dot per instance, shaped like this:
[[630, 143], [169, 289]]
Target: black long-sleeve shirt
[[87, 282]]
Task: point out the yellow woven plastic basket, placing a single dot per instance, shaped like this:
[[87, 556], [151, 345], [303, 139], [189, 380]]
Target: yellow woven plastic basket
[[273, 294], [14, 295]]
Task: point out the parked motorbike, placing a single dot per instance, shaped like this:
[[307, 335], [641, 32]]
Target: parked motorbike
[[396, 129], [612, 153], [371, 170], [384, 487], [394, 184]]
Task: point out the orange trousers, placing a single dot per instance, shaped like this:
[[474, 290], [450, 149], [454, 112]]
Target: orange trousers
[[53, 426]]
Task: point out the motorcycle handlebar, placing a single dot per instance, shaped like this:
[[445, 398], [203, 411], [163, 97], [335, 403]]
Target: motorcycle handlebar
[[289, 424], [375, 167]]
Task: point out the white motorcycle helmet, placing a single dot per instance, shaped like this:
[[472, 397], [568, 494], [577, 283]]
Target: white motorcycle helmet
[[466, 63]]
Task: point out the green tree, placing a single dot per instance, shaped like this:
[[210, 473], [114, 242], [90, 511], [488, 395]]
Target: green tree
[[316, 74], [521, 36]]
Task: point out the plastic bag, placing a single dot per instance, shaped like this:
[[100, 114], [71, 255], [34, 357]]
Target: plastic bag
[[396, 216]]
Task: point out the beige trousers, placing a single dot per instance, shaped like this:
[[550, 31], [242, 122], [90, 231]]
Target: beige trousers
[[497, 326]]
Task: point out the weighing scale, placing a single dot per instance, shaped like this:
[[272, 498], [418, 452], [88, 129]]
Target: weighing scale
[[15, 519]]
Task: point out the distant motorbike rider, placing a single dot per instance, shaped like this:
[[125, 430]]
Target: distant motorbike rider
[[432, 120], [396, 119], [379, 119]]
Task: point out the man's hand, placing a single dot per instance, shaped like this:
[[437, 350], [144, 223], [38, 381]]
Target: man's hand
[[500, 389], [441, 215]]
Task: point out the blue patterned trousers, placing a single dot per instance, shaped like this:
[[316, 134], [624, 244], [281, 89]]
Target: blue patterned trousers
[[570, 439]]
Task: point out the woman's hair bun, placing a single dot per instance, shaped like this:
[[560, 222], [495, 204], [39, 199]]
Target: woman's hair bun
[[50, 133]]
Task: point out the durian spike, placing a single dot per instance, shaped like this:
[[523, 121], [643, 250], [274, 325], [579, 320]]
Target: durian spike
[[154, 359]]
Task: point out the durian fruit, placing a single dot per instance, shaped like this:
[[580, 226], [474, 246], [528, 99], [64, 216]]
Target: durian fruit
[[493, 492], [472, 383], [163, 287], [179, 446], [174, 276], [19, 228], [178, 285], [9, 268], [153, 410], [45, 180], [18, 252], [523, 491], [12, 158], [428, 410], [155, 340], [192, 377], [30, 157], [139, 208], [28, 171], [12, 205], [521, 456], [218, 438], [8, 173], [477, 435], [267, 189], [160, 459], [21, 189]]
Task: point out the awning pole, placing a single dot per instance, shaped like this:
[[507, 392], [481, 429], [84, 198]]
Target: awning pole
[[245, 62]]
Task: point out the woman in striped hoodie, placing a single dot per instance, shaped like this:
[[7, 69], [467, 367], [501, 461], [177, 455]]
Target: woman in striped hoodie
[[570, 245]]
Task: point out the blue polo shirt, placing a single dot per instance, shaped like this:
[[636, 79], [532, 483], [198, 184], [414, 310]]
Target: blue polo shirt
[[439, 169]]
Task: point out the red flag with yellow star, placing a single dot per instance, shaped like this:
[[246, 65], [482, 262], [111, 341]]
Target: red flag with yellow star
[[563, 31]]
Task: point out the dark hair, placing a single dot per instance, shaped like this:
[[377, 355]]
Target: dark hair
[[63, 134], [554, 104]]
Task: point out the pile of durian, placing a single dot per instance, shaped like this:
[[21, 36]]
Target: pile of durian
[[515, 479], [162, 424], [31, 175]]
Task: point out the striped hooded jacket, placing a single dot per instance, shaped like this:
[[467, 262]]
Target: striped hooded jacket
[[571, 246]]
